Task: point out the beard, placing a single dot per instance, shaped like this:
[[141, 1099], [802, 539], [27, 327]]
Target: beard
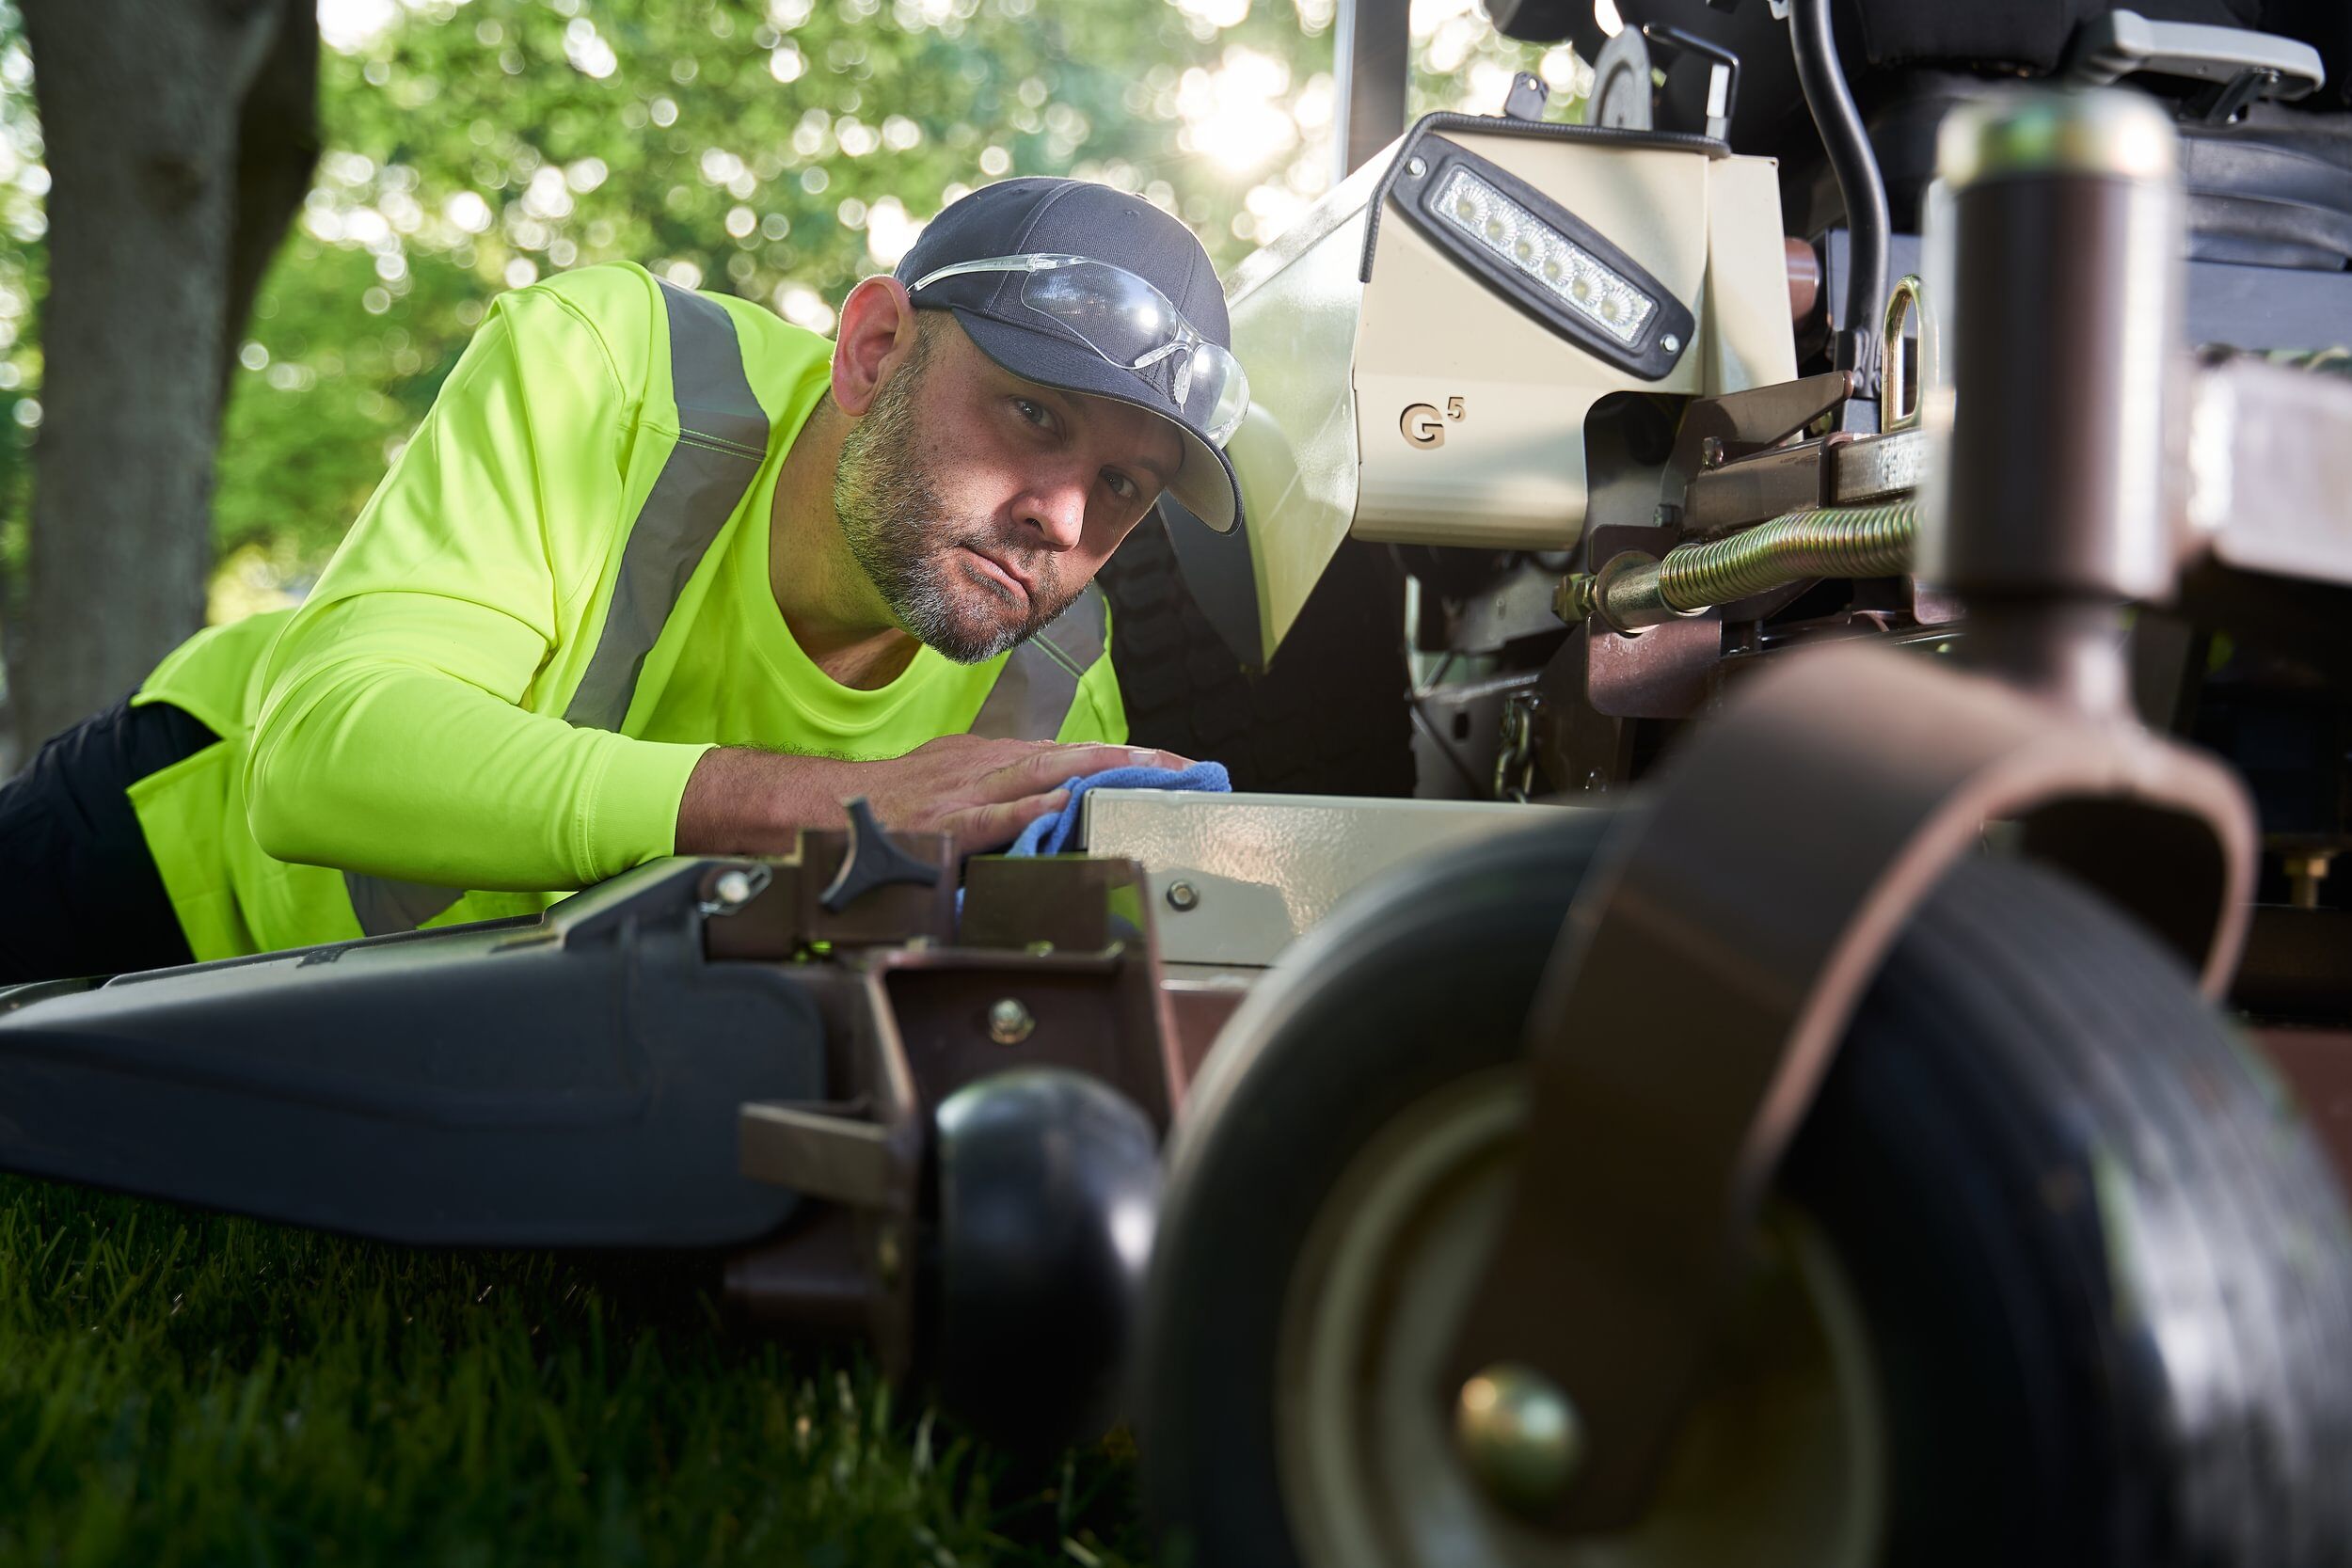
[[910, 545]]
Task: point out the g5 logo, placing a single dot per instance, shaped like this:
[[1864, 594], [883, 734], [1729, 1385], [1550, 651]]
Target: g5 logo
[[1422, 425]]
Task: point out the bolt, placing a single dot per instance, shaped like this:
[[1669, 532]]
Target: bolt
[[1415, 168], [1520, 1436], [2305, 872], [1008, 1022], [1183, 896], [1671, 343], [733, 888], [1572, 601], [1710, 453]]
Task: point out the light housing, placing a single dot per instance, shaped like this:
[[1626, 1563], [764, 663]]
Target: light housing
[[1545, 260]]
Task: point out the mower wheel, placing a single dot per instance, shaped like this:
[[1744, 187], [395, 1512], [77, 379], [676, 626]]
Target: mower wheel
[[1049, 1186], [2053, 1275]]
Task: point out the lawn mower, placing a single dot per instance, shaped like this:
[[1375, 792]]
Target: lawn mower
[[1826, 1155], [1804, 1133]]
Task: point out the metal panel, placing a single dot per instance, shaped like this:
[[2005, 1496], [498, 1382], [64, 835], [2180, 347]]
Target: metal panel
[[1470, 420], [1295, 449], [1251, 873]]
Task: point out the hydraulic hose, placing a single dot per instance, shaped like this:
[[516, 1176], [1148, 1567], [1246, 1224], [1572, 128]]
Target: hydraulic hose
[[1633, 592], [1860, 187]]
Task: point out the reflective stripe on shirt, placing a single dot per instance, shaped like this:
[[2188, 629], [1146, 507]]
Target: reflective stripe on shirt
[[723, 437], [1040, 679]]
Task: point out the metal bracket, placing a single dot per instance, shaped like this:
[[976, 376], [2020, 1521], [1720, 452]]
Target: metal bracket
[[1717, 430], [819, 1151], [1723, 75], [1739, 918], [1526, 98]]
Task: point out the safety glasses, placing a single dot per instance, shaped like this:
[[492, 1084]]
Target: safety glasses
[[1130, 324]]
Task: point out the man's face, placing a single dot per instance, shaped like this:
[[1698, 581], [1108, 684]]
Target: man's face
[[980, 504]]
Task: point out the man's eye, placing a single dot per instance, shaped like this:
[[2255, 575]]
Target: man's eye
[[1036, 412], [1123, 487]]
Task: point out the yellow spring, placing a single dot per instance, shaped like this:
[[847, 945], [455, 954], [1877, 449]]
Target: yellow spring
[[1825, 541]]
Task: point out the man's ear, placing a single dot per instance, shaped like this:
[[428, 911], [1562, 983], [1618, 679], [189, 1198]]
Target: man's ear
[[878, 333]]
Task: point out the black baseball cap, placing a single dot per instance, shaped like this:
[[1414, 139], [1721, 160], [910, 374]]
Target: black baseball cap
[[1075, 218]]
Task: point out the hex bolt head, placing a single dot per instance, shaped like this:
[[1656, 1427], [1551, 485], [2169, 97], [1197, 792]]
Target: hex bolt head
[[1671, 343], [1008, 1022], [1183, 896], [1518, 1434], [733, 888], [1415, 168], [1572, 600]]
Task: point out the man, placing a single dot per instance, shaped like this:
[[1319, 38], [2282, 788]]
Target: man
[[663, 573]]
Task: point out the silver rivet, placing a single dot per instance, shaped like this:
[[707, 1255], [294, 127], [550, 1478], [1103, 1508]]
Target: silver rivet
[[1518, 1434], [1008, 1022], [1671, 343], [733, 888], [1183, 896], [1415, 168]]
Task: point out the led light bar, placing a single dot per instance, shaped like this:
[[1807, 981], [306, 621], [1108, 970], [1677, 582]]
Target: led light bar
[[1582, 281], [1548, 262]]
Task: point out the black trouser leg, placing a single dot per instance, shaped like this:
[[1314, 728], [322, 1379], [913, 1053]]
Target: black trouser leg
[[79, 893]]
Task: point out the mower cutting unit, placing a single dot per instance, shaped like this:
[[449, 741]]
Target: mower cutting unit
[[1826, 1151], [886, 1113]]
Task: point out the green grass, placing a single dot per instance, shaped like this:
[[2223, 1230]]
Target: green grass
[[188, 1388]]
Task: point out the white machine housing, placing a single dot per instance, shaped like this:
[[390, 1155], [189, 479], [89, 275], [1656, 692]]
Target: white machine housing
[[1424, 406]]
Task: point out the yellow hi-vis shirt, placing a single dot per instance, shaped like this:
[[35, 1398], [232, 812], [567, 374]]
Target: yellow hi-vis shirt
[[556, 601]]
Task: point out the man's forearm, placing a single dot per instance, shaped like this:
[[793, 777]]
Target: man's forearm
[[741, 801], [980, 792]]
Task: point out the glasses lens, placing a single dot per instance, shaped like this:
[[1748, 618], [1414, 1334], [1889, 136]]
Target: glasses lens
[[1123, 317], [1221, 393], [1131, 324]]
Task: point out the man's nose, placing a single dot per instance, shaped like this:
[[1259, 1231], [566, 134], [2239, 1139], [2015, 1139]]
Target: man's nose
[[1058, 510]]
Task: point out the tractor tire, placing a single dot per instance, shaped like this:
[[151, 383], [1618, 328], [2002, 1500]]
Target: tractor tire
[[1327, 717], [2053, 1275]]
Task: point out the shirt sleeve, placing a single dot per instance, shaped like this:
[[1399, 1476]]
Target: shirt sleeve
[[389, 739]]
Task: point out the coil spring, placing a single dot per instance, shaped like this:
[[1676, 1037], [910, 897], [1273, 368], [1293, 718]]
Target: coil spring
[[1826, 541]]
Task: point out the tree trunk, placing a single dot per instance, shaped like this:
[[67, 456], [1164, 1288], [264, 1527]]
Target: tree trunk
[[278, 146], [156, 118]]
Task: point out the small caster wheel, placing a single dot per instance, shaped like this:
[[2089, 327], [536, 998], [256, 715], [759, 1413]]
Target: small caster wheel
[[1049, 1189], [2052, 1275]]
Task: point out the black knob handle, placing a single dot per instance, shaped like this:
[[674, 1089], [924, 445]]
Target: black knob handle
[[870, 862]]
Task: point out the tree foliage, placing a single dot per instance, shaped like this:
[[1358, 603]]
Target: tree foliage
[[774, 149]]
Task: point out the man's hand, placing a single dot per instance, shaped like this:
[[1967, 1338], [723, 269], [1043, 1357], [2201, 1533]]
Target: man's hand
[[981, 792]]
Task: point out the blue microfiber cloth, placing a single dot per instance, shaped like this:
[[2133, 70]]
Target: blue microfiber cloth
[[1050, 835]]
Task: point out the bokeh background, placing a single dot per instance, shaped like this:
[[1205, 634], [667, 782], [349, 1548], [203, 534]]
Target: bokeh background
[[777, 150]]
